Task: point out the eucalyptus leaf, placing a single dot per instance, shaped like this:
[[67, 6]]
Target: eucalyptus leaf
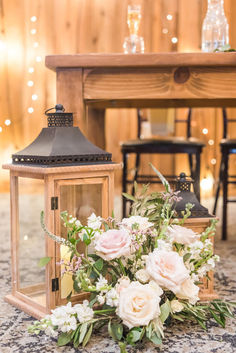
[[155, 338], [88, 335], [83, 330], [63, 339], [165, 311], [44, 261], [129, 197]]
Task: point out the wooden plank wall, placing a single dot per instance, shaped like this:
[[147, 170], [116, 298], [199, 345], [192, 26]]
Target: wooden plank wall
[[79, 26]]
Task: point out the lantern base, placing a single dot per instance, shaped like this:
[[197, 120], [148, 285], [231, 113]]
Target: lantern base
[[207, 297], [27, 308]]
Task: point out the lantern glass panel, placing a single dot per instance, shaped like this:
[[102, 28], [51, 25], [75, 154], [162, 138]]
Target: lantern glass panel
[[80, 201], [31, 239]]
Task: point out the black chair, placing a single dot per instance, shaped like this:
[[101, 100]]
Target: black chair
[[173, 145], [228, 147]]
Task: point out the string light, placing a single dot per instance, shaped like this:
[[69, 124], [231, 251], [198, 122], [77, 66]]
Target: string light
[[25, 237], [174, 40], [213, 161], [211, 142], [30, 70], [207, 183], [33, 19], [169, 17], [205, 131], [36, 44], [0, 129], [30, 110], [33, 31], [38, 58], [165, 31], [30, 83], [34, 97], [7, 122]]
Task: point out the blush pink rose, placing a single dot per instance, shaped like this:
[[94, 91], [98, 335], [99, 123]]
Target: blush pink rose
[[182, 235], [113, 244], [167, 269]]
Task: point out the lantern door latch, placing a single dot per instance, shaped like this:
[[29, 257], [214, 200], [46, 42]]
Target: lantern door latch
[[54, 203], [55, 284]]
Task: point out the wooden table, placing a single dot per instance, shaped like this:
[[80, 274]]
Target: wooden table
[[99, 81]]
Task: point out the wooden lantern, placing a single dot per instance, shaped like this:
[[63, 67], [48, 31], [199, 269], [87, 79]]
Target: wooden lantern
[[61, 170], [199, 220]]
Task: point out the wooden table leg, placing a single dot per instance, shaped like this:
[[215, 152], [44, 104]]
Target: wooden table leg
[[96, 126], [70, 95]]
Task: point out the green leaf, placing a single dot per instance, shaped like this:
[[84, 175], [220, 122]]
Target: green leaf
[[63, 339], [111, 331], [83, 330], [186, 257], [115, 330], [155, 338], [76, 337], [165, 311], [99, 264], [217, 318], [44, 261], [88, 335], [162, 178], [129, 197], [133, 336]]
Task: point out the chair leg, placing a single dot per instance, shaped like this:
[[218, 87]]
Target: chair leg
[[218, 186], [196, 185], [124, 184], [137, 164], [225, 157]]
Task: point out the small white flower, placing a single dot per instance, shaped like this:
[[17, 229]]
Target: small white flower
[[50, 332], [94, 222], [101, 284], [211, 262], [77, 223], [112, 297], [69, 324], [83, 311], [100, 299], [72, 220]]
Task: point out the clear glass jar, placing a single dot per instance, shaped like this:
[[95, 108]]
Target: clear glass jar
[[215, 28]]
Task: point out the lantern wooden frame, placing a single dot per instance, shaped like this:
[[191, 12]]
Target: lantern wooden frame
[[52, 177], [199, 225]]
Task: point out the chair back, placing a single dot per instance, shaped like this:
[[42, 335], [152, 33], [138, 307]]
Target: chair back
[[226, 121], [163, 121]]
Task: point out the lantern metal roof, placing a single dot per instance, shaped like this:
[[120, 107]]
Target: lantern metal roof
[[183, 185], [60, 144]]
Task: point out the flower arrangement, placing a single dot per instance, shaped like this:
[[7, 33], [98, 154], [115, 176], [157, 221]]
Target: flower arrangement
[[143, 272]]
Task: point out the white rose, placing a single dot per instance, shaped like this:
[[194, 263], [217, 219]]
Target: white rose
[[176, 306], [138, 304], [113, 244], [182, 235], [142, 276], [141, 222], [167, 269], [188, 290]]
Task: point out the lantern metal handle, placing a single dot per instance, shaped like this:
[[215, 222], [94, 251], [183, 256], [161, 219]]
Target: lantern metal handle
[[58, 107]]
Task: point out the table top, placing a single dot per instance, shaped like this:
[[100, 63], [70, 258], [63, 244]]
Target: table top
[[91, 60]]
